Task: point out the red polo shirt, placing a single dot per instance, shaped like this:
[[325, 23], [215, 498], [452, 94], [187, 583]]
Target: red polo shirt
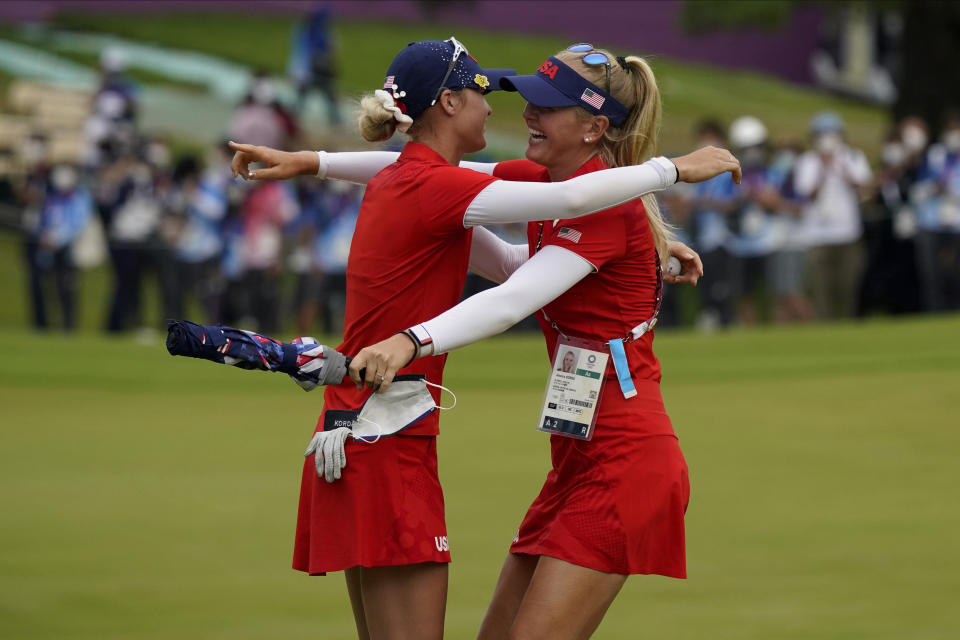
[[621, 293], [408, 261]]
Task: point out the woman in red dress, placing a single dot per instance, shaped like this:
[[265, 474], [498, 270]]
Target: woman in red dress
[[383, 522], [613, 505]]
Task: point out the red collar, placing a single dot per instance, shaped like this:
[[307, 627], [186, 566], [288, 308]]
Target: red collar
[[416, 152], [596, 163]]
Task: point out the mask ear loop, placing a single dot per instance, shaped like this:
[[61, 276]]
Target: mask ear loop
[[442, 389], [363, 439]]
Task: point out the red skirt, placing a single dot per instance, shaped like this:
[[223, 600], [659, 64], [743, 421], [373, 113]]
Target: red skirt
[[616, 503], [386, 510]]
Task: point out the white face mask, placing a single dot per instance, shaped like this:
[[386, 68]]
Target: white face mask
[[828, 143], [951, 139], [401, 405], [64, 178], [262, 91], [893, 154], [914, 139]]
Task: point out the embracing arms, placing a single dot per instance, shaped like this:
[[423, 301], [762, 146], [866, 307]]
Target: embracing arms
[[503, 201]]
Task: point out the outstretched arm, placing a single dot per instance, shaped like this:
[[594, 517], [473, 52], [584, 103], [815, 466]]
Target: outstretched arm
[[503, 202], [536, 282], [350, 166]]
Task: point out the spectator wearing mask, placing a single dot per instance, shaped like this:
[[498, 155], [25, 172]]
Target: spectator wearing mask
[[198, 200], [937, 199], [712, 203], [64, 211], [113, 115], [261, 119], [829, 177], [267, 208], [332, 248], [135, 219], [755, 234], [790, 301], [890, 279]]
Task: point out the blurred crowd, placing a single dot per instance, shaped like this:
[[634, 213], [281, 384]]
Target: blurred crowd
[[251, 254], [813, 232]]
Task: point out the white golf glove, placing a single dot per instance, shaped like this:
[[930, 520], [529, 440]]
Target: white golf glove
[[327, 448]]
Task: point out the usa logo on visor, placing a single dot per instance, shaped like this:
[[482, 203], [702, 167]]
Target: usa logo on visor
[[592, 98]]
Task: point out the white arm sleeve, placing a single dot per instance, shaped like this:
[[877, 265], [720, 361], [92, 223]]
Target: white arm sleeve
[[482, 167], [505, 201], [493, 258], [360, 166], [353, 166], [538, 281]]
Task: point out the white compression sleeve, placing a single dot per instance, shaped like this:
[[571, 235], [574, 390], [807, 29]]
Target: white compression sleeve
[[360, 166], [482, 167], [538, 281], [504, 201], [353, 166], [493, 258]]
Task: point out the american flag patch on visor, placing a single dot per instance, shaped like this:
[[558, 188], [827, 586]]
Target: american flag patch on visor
[[569, 234], [388, 83], [592, 98]]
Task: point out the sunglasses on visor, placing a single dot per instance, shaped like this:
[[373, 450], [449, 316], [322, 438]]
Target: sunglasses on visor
[[593, 58], [458, 50]]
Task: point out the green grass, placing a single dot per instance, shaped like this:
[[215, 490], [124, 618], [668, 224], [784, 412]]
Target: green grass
[[152, 497], [690, 91]]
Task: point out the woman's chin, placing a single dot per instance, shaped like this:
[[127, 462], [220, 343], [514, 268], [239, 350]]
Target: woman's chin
[[533, 152], [480, 145]]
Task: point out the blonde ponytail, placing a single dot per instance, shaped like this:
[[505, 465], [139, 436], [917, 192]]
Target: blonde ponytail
[[635, 141], [376, 122]]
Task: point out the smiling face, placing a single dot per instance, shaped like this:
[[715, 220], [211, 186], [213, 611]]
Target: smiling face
[[557, 138], [471, 120]]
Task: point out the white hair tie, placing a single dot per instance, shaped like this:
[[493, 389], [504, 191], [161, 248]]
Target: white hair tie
[[403, 120]]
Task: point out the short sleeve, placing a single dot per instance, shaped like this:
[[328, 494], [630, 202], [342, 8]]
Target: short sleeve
[[445, 194], [521, 171], [599, 238]]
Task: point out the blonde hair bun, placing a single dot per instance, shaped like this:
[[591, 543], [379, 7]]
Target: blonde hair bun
[[379, 116]]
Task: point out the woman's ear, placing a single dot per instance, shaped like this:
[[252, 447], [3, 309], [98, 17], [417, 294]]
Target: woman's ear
[[450, 102], [598, 126]]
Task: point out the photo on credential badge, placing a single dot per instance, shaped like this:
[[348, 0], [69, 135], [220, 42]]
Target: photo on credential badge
[[568, 363]]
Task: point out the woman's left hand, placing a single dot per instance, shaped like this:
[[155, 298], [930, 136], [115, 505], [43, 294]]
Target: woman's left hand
[[691, 268], [382, 361]]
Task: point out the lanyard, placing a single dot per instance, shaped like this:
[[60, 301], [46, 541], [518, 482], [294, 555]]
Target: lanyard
[[637, 332]]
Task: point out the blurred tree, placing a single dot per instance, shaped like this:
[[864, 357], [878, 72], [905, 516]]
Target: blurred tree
[[929, 45]]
